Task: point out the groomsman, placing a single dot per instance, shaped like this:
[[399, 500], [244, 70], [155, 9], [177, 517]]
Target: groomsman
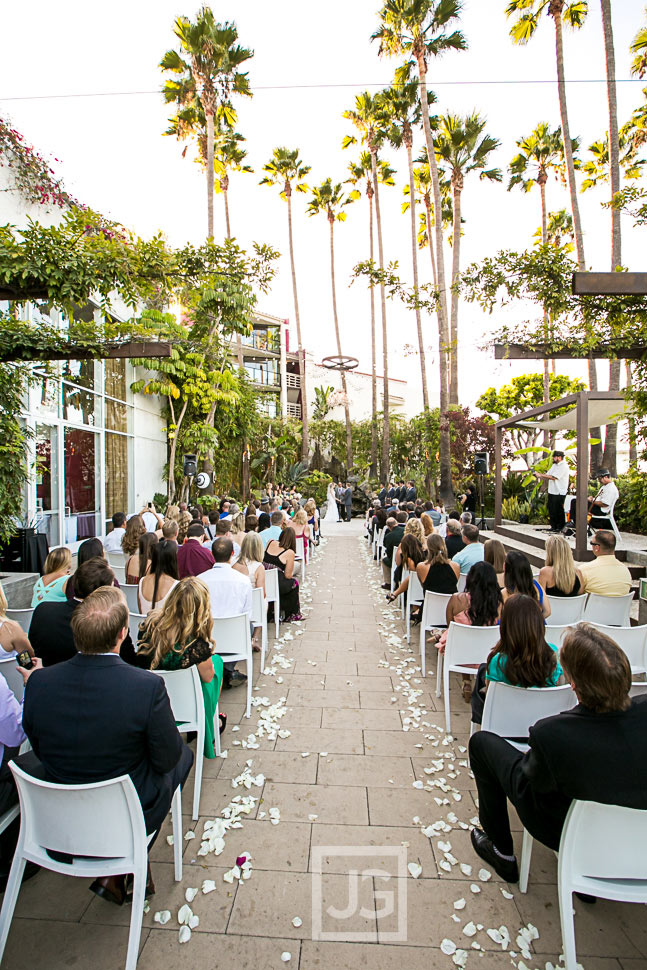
[[382, 495], [347, 499], [391, 494], [412, 493]]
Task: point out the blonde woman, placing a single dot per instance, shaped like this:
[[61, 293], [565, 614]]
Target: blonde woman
[[312, 513], [250, 564], [184, 521], [494, 553], [414, 528], [559, 577], [238, 524], [178, 636], [427, 524], [50, 587], [134, 529], [13, 638]]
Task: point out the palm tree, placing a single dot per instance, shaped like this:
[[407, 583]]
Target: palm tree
[[559, 231], [423, 189], [422, 29], [283, 169], [596, 168], [205, 73], [368, 117], [362, 172], [229, 156], [330, 199], [463, 148], [403, 110], [638, 47]]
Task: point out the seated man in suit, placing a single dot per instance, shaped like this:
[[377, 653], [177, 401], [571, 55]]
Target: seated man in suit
[[50, 630], [95, 717], [594, 752]]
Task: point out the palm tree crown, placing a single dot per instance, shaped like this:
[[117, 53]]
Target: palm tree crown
[[638, 47], [284, 168], [572, 15], [420, 28], [541, 151], [463, 148], [330, 199]]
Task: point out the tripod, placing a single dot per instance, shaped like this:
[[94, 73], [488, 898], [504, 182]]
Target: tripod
[[481, 523]]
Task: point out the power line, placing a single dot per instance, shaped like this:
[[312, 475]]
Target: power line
[[309, 87]]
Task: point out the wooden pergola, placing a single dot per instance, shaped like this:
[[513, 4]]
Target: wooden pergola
[[584, 405]]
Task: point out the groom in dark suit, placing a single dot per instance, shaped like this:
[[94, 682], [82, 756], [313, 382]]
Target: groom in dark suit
[[94, 717], [594, 752], [347, 499]]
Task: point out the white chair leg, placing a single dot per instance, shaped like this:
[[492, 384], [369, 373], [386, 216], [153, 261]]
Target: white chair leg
[[197, 782], [11, 897], [448, 716], [263, 642], [216, 728], [250, 676], [439, 673], [137, 912], [277, 621], [178, 840], [408, 617], [526, 854], [568, 927], [423, 648]]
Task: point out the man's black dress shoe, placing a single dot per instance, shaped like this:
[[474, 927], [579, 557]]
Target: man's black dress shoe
[[235, 679], [110, 888], [485, 849], [386, 586]]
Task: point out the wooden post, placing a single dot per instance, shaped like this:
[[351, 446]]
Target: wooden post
[[498, 479], [582, 481]]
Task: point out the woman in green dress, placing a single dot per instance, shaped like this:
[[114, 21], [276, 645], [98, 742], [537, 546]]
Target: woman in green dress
[[177, 636]]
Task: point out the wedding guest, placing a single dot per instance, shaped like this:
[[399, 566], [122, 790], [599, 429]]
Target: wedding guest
[[177, 636], [230, 594], [214, 518], [392, 539], [183, 524], [89, 549], [453, 538], [437, 573], [281, 553], [494, 553], [51, 585], [518, 578], [559, 577], [223, 531], [606, 575], [250, 564], [139, 563], [194, 556], [427, 523], [161, 578], [112, 542], [13, 639], [472, 550], [134, 529], [170, 531], [251, 523], [273, 531], [410, 553]]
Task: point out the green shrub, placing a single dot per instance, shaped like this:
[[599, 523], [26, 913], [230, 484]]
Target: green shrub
[[315, 485], [510, 509], [630, 512], [160, 501]]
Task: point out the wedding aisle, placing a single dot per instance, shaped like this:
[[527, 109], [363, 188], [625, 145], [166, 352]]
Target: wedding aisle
[[353, 810]]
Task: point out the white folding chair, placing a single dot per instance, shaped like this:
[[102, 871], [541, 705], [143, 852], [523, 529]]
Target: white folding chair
[[510, 711], [393, 569], [259, 618], [302, 552], [610, 610], [10, 672], [566, 609], [434, 614], [120, 574], [462, 580], [414, 596], [555, 634], [185, 694], [22, 617], [233, 644], [609, 515], [134, 620], [130, 592], [602, 852], [117, 559], [465, 647], [101, 826], [638, 689], [631, 639], [380, 545], [272, 596]]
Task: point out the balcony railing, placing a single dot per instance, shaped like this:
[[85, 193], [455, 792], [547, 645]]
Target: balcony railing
[[292, 380], [293, 411], [260, 340]]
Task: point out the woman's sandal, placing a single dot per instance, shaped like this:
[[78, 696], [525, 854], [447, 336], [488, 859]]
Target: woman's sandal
[[390, 597], [223, 722], [467, 691]]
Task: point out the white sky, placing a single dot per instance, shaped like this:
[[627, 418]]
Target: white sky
[[115, 159]]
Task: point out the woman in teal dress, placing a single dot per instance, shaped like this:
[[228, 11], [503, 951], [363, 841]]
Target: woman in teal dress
[[50, 587], [522, 657], [177, 636]]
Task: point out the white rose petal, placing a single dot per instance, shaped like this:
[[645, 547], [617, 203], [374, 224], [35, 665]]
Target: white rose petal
[[312, 818], [194, 921], [185, 934], [169, 839], [484, 875], [414, 869], [465, 869], [506, 894], [475, 888], [286, 956], [190, 895], [448, 947], [184, 914], [208, 886], [162, 917], [297, 921], [189, 835], [459, 904]]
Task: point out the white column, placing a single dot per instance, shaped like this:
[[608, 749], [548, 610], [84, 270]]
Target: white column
[[283, 368]]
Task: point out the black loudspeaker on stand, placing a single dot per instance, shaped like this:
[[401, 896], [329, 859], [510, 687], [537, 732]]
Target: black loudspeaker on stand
[[481, 468]]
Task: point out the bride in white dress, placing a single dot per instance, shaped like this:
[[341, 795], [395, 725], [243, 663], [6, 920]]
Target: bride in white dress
[[332, 514]]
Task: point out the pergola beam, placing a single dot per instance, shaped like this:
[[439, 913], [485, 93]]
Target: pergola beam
[[609, 284], [537, 352], [132, 348]]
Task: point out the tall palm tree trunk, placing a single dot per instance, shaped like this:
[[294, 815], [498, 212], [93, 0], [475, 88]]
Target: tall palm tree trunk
[[386, 433], [542, 179], [611, 440], [434, 270], [446, 490], [305, 443], [349, 434], [555, 10], [225, 193], [209, 116], [373, 466], [456, 262], [414, 259]]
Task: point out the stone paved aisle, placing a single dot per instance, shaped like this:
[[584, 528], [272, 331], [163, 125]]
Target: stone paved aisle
[[360, 768]]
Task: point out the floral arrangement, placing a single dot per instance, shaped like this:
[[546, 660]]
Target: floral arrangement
[[34, 177]]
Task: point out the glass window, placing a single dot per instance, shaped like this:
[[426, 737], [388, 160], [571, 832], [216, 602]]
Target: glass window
[[80, 406], [117, 416], [46, 449], [45, 394], [81, 483], [264, 372], [80, 372], [116, 473], [115, 379]]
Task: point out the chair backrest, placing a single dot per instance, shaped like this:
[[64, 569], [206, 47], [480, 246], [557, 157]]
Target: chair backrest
[[272, 585], [511, 711], [610, 610], [555, 634], [462, 580], [120, 573], [185, 693], [469, 644], [301, 547], [232, 635], [130, 592], [22, 617], [116, 559], [631, 639], [638, 689], [259, 610], [603, 841], [434, 611], [415, 592], [134, 619], [104, 820], [9, 670], [566, 609]]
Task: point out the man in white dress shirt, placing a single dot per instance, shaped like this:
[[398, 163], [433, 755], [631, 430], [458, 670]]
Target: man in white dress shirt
[[231, 594], [557, 478], [112, 542]]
